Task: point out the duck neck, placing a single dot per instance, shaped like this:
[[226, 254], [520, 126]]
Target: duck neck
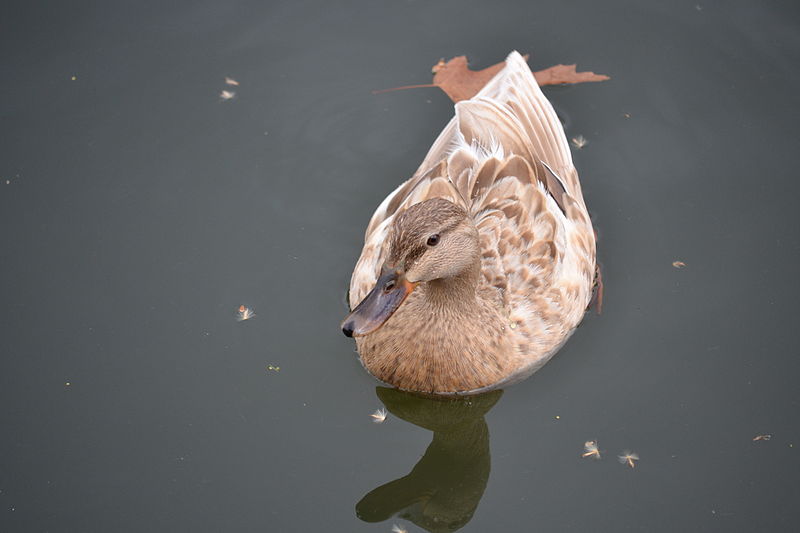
[[456, 291], [445, 338]]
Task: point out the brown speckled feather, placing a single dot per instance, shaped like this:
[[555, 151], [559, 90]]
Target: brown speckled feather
[[505, 159]]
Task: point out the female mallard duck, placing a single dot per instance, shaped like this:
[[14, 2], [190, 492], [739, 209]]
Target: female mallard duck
[[476, 270]]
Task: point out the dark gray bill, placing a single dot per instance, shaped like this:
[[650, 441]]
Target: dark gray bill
[[389, 292]]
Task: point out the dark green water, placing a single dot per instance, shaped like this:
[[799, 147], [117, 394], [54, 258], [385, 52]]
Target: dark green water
[[138, 211]]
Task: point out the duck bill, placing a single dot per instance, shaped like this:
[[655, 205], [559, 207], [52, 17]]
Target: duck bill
[[389, 292]]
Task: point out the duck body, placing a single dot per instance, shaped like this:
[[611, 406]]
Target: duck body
[[476, 270]]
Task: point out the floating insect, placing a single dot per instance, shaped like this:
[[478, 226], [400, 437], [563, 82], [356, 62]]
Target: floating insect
[[398, 529], [231, 81], [244, 313], [762, 437], [590, 449], [227, 95], [379, 416], [579, 142], [628, 458]]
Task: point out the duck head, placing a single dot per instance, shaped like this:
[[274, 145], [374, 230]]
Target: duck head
[[429, 241]]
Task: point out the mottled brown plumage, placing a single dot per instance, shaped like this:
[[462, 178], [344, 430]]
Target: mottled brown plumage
[[511, 268]]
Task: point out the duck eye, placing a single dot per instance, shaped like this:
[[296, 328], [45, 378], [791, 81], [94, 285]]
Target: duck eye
[[433, 240], [389, 285]]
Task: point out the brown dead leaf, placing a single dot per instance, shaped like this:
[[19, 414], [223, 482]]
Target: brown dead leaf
[[678, 264], [599, 289], [559, 74], [762, 437], [460, 83]]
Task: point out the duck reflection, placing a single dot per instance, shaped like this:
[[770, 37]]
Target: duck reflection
[[442, 491]]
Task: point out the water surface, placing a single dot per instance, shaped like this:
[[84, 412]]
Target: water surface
[[138, 212]]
